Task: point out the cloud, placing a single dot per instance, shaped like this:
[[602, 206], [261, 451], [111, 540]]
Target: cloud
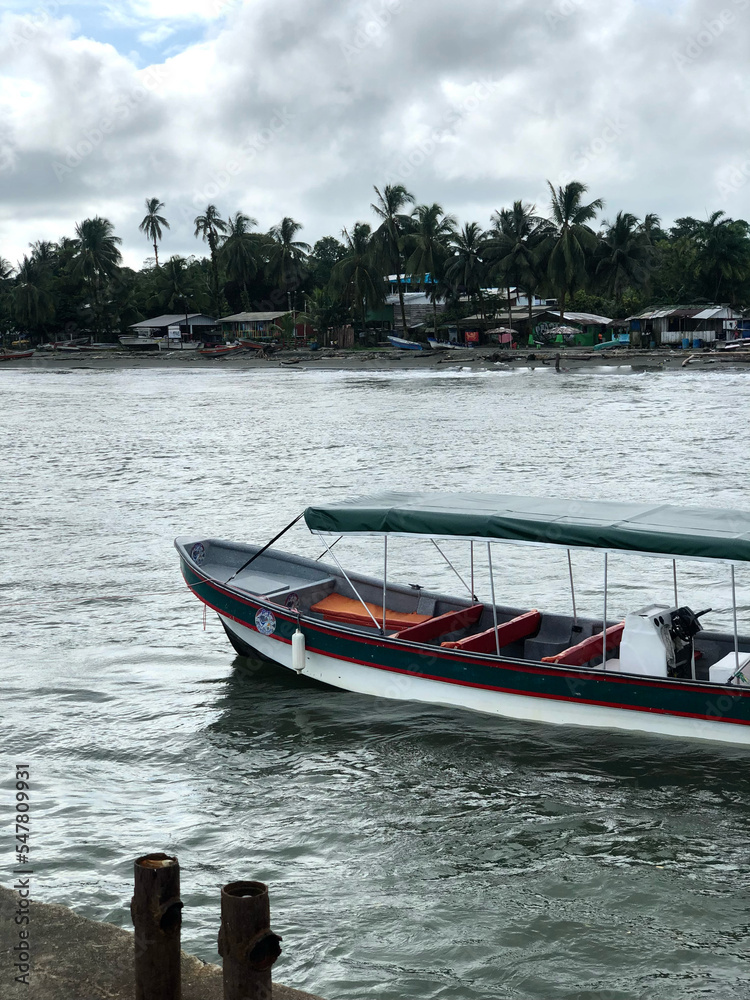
[[297, 107]]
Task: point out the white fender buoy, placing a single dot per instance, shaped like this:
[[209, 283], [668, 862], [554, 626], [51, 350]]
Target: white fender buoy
[[298, 651]]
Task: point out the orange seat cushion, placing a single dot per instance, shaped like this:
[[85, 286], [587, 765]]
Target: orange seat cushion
[[337, 608]]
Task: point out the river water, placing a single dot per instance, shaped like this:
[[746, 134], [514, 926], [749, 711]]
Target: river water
[[411, 851]]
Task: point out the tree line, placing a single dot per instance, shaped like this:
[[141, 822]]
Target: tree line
[[612, 267]]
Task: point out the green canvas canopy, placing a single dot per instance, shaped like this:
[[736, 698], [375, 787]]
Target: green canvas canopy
[[653, 529]]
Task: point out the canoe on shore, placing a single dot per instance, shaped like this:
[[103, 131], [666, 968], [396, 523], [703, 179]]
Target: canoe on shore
[[220, 352], [15, 355]]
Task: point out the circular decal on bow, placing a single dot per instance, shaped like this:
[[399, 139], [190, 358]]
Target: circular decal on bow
[[292, 601], [265, 621], [198, 553]]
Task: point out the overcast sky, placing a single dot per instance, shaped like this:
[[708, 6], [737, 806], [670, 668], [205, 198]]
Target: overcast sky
[[297, 107]]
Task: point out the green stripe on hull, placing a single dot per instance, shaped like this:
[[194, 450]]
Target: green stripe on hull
[[679, 698]]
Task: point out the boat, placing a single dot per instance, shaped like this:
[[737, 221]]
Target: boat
[[144, 343], [405, 345], [445, 345], [15, 355], [256, 345], [655, 671], [220, 351]]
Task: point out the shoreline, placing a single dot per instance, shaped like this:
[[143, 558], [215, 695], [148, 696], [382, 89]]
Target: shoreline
[[375, 360]]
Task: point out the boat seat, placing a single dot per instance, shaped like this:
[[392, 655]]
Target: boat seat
[[337, 608], [576, 656], [517, 628], [451, 621]]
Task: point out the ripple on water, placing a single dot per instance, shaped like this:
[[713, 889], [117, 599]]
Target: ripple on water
[[412, 851]]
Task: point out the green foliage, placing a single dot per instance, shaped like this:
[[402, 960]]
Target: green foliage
[[78, 284]]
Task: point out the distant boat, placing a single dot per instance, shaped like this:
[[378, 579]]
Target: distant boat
[[405, 345], [221, 351], [15, 355], [142, 343], [444, 345], [257, 345]]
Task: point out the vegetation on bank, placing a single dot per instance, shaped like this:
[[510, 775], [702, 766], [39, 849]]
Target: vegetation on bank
[[613, 267]]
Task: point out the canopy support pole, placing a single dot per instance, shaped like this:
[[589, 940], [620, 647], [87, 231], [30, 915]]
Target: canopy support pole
[[604, 622], [473, 593], [470, 589], [354, 589], [674, 577], [572, 589], [736, 633], [494, 607], [385, 574]]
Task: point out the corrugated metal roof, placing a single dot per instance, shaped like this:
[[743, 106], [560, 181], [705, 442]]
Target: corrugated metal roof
[[169, 319], [253, 317], [590, 318], [688, 312]]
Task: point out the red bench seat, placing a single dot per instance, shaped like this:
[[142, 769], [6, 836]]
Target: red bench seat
[[517, 628], [451, 621], [576, 656]]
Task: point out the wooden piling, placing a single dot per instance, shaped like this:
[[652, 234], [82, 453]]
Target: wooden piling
[[156, 911], [247, 944]]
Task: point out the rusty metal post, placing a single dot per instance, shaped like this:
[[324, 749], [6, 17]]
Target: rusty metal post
[[246, 942], [157, 918]]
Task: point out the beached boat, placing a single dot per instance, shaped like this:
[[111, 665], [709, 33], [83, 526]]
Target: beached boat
[[15, 355], [405, 345], [256, 345], [444, 345], [656, 671], [220, 351]]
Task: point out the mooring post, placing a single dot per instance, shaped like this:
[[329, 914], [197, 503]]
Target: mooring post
[[157, 918], [246, 942]]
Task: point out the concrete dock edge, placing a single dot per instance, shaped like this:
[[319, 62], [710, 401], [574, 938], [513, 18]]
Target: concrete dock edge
[[73, 958]]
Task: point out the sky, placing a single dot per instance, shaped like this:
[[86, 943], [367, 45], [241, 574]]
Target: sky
[[299, 107]]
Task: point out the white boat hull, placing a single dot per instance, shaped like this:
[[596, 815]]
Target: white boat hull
[[381, 683]]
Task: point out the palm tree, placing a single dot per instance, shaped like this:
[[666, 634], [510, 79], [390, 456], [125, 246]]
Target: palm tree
[[323, 311], [287, 257], [466, 267], [241, 252], [624, 256], [571, 241], [723, 256], [152, 223], [356, 276], [95, 258], [389, 236], [33, 305], [428, 243], [175, 288], [513, 246], [209, 226]]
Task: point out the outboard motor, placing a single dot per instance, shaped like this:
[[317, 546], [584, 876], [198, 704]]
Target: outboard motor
[[658, 641]]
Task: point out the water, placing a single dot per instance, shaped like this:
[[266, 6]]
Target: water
[[411, 851]]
